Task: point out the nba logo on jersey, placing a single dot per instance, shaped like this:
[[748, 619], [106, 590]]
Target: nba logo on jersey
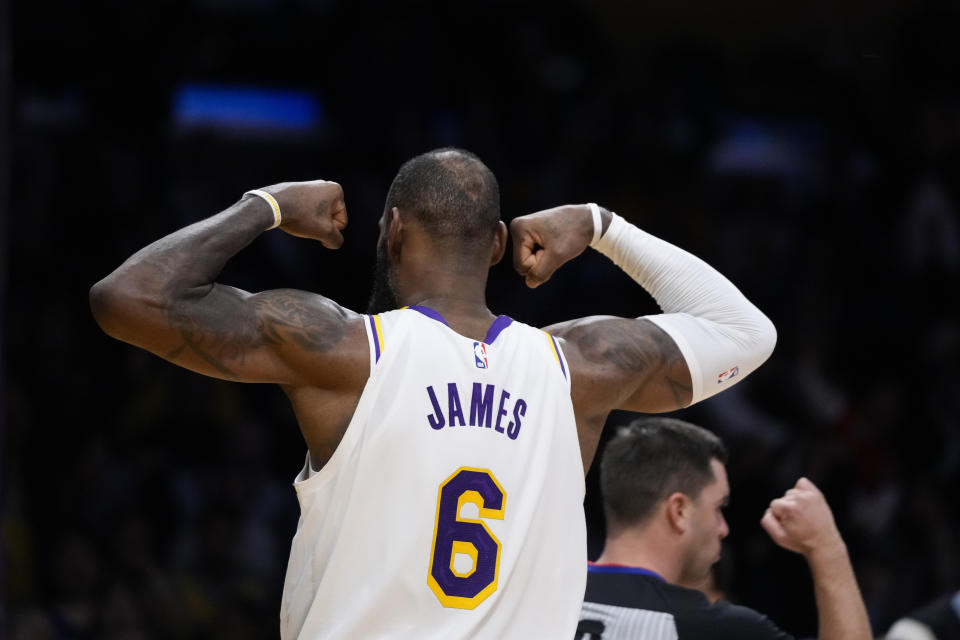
[[480, 355]]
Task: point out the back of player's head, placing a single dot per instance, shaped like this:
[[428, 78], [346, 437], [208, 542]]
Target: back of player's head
[[451, 193], [649, 460]]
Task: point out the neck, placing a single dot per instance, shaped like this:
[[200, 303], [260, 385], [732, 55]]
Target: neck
[[644, 549], [450, 306], [455, 288]]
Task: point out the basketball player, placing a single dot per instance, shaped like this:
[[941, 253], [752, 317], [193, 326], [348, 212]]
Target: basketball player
[[664, 486], [442, 490]]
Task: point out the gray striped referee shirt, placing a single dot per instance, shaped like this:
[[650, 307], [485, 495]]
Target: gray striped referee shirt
[[629, 603]]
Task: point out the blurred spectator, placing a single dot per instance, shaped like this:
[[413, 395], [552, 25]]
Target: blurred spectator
[[938, 620]]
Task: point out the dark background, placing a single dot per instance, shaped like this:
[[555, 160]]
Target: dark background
[[809, 152]]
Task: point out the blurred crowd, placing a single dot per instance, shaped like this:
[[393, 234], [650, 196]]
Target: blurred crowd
[[142, 501]]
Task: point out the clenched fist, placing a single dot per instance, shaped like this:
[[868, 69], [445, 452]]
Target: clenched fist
[[313, 209], [801, 520], [545, 240]]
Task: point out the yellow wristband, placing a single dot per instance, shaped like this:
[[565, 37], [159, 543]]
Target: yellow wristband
[[273, 205]]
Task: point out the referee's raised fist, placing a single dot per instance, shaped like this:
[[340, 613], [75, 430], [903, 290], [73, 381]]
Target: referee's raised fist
[[801, 520]]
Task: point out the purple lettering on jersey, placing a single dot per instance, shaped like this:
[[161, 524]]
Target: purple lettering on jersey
[[436, 421], [519, 409], [481, 408], [454, 410], [504, 396]]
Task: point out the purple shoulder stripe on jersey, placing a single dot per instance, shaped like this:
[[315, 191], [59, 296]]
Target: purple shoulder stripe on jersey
[[501, 323], [376, 340], [592, 567], [559, 357], [427, 311]]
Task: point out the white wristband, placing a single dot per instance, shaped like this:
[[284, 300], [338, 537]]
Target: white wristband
[[597, 222], [277, 219]]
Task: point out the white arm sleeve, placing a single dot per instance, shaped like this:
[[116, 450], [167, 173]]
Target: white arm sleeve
[[721, 334]]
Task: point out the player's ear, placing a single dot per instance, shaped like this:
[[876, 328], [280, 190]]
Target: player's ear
[[677, 508], [394, 232], [499, 243]]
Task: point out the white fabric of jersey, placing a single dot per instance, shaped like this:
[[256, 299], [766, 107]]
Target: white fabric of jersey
[[722, 335], [371, 520]]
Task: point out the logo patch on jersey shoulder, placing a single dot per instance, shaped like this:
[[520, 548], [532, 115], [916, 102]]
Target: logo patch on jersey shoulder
[[480, 355], [728, 375]]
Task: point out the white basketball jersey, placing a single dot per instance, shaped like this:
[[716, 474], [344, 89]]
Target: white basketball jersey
[[453, 505]]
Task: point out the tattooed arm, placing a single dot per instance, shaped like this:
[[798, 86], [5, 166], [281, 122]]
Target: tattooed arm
[[708, 338], [164, 299], [624, 363], [619, 363]]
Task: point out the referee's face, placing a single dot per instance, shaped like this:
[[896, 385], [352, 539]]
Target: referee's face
[[708, 526]]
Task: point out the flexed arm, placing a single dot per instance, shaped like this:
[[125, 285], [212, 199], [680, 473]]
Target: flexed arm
[[165, 299], [709, 336]]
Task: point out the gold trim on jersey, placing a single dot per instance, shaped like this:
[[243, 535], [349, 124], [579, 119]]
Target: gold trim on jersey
[[379, 327]]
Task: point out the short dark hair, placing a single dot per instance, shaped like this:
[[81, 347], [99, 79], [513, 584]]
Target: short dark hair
[[650, 459], [450, 192]]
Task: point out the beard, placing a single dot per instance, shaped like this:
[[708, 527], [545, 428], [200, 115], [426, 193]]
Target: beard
[[383, 296]]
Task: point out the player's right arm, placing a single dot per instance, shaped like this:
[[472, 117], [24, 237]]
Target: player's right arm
[[708, 337], [165, 299]]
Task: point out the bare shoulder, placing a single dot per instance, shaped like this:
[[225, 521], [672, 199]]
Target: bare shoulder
[[624, 363]]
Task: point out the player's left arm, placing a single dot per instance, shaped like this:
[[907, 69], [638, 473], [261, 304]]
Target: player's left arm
[[708, 337]]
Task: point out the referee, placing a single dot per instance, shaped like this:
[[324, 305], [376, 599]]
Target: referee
[[664, 487]]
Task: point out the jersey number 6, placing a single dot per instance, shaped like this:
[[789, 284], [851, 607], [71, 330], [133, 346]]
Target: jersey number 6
[[455, 534]]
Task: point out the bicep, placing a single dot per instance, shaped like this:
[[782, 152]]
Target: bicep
[[284, 336], [624, 363]]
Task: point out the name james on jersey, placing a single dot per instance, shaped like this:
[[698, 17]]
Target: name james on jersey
[[481, 409]]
